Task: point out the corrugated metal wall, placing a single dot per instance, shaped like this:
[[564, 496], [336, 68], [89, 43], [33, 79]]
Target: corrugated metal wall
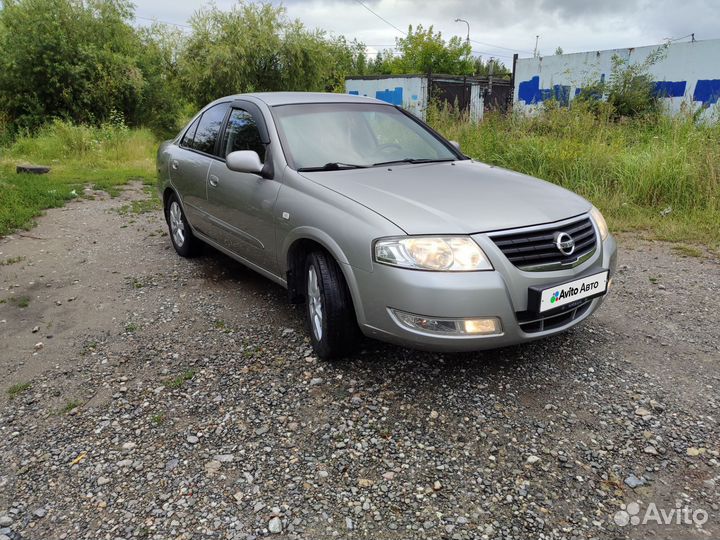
[[688, 73], [412, 93], [408, 92]]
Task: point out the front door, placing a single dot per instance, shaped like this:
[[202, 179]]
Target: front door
[[242, 204]]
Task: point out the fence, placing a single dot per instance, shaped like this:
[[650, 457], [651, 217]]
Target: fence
[[686, 74], [413, 92]]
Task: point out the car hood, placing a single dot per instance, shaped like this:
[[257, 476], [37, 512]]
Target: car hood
[[461, 197]]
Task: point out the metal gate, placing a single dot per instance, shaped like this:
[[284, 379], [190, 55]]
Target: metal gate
[[499, 97], [454, 93]]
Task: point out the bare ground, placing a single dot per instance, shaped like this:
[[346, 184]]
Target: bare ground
[[147, 396]]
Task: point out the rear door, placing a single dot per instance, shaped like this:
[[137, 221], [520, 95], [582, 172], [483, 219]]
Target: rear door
[[242, 203], [190, 164]]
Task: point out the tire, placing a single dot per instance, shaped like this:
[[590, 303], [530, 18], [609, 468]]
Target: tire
[[329, 312], [181, 236]]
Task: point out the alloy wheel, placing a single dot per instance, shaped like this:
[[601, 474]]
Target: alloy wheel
[[177, 227], [314, 303]]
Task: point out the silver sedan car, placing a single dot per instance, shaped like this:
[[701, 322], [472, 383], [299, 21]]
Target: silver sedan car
[[380, 226]]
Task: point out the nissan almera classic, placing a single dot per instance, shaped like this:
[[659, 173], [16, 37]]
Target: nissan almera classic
[[380, 226]]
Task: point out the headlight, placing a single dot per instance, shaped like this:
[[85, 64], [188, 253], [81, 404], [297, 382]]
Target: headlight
[[600, 222], [437, 253]]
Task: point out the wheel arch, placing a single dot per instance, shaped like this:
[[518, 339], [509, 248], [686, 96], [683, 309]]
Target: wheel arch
[[168, 192], [295, 250]]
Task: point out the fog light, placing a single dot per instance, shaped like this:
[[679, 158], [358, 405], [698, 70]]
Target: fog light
[[481, 326], [459, 327]]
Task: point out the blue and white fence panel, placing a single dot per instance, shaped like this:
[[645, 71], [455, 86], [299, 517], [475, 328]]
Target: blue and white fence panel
[[408, 92], [685, 74]]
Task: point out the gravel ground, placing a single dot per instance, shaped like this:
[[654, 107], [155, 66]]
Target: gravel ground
[[180, 399]]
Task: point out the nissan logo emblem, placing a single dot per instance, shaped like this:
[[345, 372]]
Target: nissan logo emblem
[[565, 243]]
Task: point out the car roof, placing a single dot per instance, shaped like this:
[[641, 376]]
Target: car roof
[[291, 98]]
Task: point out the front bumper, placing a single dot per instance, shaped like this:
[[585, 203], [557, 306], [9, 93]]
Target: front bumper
[[501, 293]]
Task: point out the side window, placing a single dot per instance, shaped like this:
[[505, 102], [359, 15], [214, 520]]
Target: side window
[[242, 134], [209, 128], [187, 140]]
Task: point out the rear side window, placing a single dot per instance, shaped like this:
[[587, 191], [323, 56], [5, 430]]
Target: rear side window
[[242, 134], [207, 131], [187, 140]]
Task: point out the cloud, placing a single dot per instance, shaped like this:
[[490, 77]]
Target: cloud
[[575, 25], [572, 10]]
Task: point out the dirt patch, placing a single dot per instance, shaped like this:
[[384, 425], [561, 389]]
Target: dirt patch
[[180, 398]]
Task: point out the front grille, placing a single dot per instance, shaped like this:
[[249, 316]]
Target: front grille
[[528, 248], [531, 323]]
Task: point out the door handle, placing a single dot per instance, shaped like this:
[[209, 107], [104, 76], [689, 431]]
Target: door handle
[[175, 164], [214, 180]]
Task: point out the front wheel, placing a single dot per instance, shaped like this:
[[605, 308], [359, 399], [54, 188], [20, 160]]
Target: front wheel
[[330, 315]]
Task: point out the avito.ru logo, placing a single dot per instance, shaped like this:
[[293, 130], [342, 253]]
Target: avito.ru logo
[[631, 515], [572, 291]]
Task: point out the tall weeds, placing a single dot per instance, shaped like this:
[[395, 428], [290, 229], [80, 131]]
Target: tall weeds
[[656, 172], [64, 141], [104, 157]]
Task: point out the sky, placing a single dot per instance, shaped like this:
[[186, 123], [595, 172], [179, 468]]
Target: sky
[[498, 28]]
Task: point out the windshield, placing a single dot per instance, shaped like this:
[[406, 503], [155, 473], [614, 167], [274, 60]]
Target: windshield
[[332, 136]]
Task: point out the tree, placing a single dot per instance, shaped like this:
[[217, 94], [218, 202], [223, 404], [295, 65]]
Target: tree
[[492, 66], [630, 90], [424, 50], [79, 60], [162, 97], [255, 47], [382, 63], [349, 58], [559, 50]]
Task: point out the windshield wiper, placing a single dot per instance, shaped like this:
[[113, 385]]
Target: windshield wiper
[[413, 160], [334, 166]]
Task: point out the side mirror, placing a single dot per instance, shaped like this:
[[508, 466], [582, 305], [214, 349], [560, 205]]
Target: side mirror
[[456, 145], [245, 161]]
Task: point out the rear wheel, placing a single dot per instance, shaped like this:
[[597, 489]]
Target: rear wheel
[[181, 235], [330, 315]]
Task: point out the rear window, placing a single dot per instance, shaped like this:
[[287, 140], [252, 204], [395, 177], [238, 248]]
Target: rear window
[[187, 140], [208, 128]]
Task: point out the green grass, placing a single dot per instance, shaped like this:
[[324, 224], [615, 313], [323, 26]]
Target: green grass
[[181, 379], [660, 175], [137, 284], [687, 251], [70, 405], [21, 301], [105, 158], [88, 347], [141, 207], [11, 260], [16, 389]]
